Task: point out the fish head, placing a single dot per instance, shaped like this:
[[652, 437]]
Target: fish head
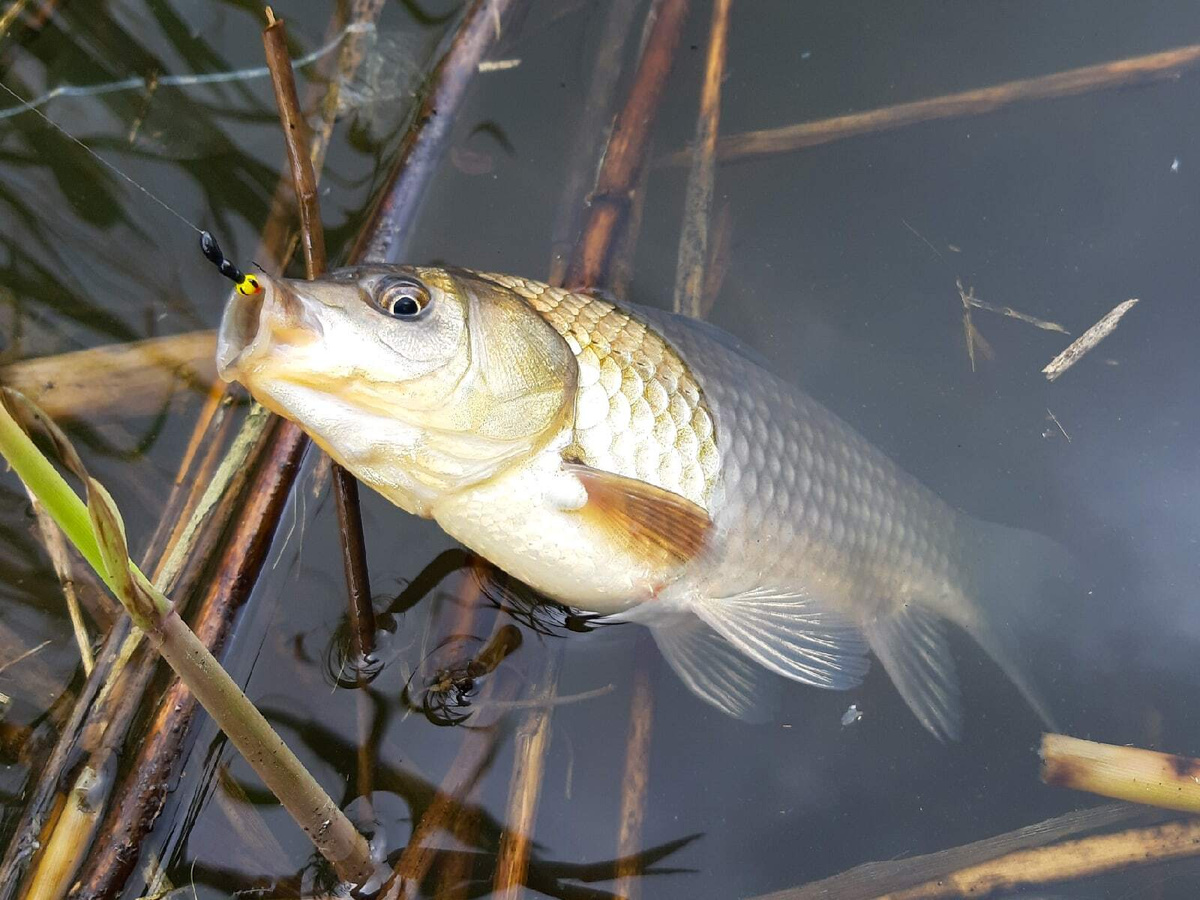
[[420, 381]]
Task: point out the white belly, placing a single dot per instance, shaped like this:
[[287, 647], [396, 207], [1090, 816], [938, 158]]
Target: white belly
[[517, 521]]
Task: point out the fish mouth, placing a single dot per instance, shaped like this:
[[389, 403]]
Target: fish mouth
[[252, 325]]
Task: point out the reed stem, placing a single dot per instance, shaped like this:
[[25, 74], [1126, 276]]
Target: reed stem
[[1119, 73], [693, 238], [103, 545], [1124, 773]]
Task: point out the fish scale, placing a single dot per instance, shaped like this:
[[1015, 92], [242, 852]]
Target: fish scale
[[639, 411]]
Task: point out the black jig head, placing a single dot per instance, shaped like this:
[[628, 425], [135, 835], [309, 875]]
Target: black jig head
[[246, 284]]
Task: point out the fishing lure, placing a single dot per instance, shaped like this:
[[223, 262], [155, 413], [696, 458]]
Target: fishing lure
[[247, 285]]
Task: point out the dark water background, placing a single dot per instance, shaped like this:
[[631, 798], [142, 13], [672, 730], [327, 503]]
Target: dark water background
[[1061, 209]]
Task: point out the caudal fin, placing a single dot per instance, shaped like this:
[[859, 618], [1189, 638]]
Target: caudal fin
[[1009, 573], [1006, 570]]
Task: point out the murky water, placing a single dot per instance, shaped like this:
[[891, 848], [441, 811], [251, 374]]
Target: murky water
[[842, 272]]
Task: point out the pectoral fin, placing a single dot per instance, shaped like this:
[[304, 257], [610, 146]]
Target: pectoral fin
[[792, 634], [659, 525], [715, 671]]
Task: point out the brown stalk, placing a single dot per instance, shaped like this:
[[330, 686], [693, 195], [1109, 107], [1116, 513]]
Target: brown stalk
[[635, 781], [1119, 73], [693, 240], [345, 487], [296, 139], [381, 239], [606, 224], [532, 743], [312, 241], [611, 200], [594, 118]]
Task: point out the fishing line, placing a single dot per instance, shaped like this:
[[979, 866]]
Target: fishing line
[[100, 159], [246, 284]]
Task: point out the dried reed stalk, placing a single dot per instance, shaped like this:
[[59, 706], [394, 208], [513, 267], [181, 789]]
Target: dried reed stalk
[[875, 879], [1120, 73], [1087, 341], [56, 547], [125, 379], [531, 745], [1124, 773], [1083, 858]]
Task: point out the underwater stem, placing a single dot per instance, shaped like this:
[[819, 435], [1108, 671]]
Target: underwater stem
[[104, 546], [693, 238], [1119, 73], [1124, 773], [610, 200]]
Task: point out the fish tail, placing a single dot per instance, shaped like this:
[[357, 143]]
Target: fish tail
[[1008, 574]]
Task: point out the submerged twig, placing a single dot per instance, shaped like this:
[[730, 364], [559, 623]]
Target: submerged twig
[[1119, 73], [1068, 861], [1087, 341], [693, 239], [594, 117], [624, 158], [1015, 314], [22, 656], [312, 241], [524, 791], [1054, 419], [877, 879], [1123, 773], [635, 780], [387, 225], [128, 379]]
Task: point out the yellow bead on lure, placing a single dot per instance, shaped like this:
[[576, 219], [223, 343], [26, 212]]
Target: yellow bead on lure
[[637, 464]]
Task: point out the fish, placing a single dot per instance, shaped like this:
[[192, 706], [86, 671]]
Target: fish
[[645, 467]]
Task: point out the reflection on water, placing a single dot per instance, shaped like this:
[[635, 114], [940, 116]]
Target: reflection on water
[[843, 261]]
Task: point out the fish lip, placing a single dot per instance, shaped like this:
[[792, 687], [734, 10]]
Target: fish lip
[[249, 324]]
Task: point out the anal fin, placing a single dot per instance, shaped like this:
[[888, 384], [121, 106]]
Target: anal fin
[[792, 634], [912, 647], [715, 671]]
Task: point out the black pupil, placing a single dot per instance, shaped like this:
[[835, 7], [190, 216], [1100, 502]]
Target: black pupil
[[406, 306]]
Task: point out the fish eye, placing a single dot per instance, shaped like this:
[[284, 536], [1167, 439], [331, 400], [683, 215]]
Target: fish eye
[[402, 298]]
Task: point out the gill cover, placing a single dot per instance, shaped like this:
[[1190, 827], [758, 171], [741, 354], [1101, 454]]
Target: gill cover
[[523, 375]]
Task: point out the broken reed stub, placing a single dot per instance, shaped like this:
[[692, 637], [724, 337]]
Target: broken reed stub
[[1124, 773], [1087, 341]]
